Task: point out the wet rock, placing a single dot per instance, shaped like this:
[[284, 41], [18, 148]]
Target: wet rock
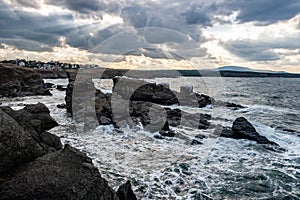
[[243, 129], [23, 137], [125, 192], [61, 88], [169, 133], [196, 142], [61, 106], [69, 91], [137, 90], [234, 106], [19, 81], [200, 136], [64, 174], [48, 85]]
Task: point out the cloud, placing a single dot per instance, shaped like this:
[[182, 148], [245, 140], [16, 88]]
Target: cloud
[[263, 49], [28, 4], [264, 11], [95, 7], [251, 51]]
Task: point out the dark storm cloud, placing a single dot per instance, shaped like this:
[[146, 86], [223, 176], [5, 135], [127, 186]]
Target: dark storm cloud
[[32, 26], [264, 11], [252, 50], [199, 13]]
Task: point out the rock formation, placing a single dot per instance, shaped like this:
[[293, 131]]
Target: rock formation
[[20, 81], [33, 164]]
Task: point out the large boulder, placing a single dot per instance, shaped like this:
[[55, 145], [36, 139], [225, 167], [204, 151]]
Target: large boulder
[[23, 136], [19, 81], [64, 174], [33, 116]]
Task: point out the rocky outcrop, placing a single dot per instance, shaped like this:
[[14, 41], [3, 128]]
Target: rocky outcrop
[[33, 164], [23, 136], [138, 90], [69, 92], [243, 129], [19, 81], [52, 73], [64, 174], [132, 102]]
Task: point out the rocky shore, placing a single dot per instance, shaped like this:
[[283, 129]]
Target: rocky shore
[[20, 81], [35, 165]]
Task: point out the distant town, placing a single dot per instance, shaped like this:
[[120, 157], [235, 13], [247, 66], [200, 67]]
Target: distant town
[[51, 65]]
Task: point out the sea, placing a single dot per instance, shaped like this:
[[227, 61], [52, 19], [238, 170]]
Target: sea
[[220, 168]]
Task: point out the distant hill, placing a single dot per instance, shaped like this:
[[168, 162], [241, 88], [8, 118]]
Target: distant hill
[[246, 69]]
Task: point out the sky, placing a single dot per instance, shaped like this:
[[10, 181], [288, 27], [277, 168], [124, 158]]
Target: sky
[[260, 34]]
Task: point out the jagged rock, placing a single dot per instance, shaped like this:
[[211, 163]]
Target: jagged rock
[[64, 174], [19, 81], [125, 192], [243, 129], [33, 164], [23, 137]]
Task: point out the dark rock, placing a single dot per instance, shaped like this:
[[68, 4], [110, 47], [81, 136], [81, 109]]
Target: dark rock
[[169, 133], [243, 129], [23, 137], [138, 90], [65, 174], [233, 105], [19, 81], [61, 88], [227, 132], [195, 142], [69, 91], [39, 116], [229, 105], [200, 136], [104, 120], [125, 192], [48, 85], [61, 106]]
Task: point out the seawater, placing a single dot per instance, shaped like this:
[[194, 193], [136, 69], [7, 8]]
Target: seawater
[[221, 168]]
